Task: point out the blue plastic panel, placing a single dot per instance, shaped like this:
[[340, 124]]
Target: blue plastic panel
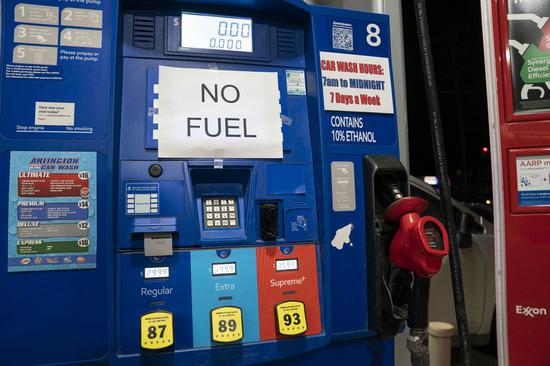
[[51, 309], [286, 179]]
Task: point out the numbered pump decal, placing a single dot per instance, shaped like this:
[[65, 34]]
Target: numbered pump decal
[[227, 324], [291, 318], [157, 331]]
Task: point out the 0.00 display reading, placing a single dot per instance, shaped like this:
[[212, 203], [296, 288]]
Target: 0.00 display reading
[[231, 36], [209, 32]]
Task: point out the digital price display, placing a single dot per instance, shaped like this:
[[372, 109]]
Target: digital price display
[[216, 33], [156, 272], [286, 265], [223, 269]]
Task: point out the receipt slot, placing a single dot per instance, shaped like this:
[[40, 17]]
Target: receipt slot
[[185, 182]]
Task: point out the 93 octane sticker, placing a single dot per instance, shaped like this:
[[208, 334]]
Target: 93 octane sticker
[[291, 318]]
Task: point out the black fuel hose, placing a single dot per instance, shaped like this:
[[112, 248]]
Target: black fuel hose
[[443, 176], [417, 317], [417, 320]]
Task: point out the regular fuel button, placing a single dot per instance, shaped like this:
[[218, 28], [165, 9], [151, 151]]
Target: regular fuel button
[[291, 318], [157, 330]]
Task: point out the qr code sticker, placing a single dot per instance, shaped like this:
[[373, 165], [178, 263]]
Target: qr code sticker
[[342, 36]]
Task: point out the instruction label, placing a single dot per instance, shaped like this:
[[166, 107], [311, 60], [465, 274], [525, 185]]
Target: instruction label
[[52, 211], [355, 83], [142, 198], [35, 34], [37, 14], [63, 47], [295, 82], [82, 17], [533, 180], [343, 185]]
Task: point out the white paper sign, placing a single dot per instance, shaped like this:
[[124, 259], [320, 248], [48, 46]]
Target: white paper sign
[[54, 114], [355, 83], [218, 114]]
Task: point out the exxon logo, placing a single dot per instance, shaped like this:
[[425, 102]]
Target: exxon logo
[[530, 311]]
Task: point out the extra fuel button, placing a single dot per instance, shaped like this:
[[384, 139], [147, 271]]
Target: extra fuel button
[[291, 318], [227, 324]]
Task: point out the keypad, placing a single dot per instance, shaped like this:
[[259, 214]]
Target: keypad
[[220, 212]]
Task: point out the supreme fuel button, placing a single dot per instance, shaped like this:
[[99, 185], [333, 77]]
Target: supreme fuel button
[[291, 318], [227, 324]]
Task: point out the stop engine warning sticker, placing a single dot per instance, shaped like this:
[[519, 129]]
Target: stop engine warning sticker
[[52, 211]]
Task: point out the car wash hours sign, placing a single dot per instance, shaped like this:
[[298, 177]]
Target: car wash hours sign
[[355, 83], [218, 114], [529, 44]]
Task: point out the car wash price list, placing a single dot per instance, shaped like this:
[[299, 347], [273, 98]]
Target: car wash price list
[[52, 211], [529, 46]]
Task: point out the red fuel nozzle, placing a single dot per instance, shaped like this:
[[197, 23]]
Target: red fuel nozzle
[[420, 242]]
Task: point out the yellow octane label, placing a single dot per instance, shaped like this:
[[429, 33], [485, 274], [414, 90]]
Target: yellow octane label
[[291, 318], [227, 324], [157, 330]]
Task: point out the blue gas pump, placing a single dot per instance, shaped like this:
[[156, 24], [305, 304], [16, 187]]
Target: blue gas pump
[[185, 182]]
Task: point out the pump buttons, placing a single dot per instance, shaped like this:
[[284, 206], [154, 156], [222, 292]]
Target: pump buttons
[[269, 221], [155, 170]]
